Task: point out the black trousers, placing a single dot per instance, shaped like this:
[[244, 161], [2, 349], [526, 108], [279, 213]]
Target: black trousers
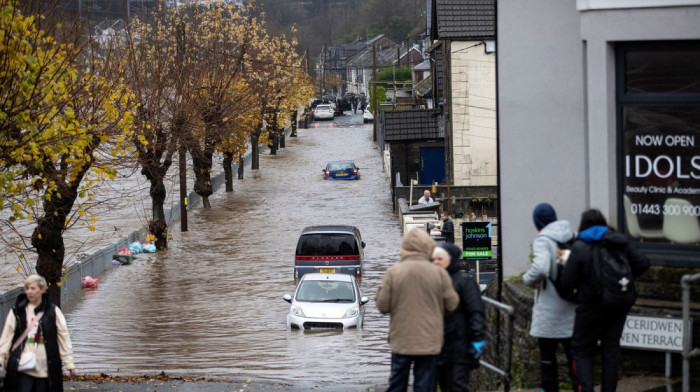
[[27, 383], [549, 374], [453, 377], [593, 325]]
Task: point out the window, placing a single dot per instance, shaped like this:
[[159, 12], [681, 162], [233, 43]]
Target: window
[[658, 108]]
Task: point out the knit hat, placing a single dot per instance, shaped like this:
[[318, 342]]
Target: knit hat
[[543, 215]]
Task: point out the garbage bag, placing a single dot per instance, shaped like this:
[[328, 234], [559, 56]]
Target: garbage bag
[[122, 259], [135, 248], [124, 251], [115, 262], [89, 282], [149, 248]]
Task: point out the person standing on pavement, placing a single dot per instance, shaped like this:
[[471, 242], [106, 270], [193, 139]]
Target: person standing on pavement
[[464, 327], [425, 198], [36, 326], [552, 317], [416, 294], [447, 229], [594, 320]]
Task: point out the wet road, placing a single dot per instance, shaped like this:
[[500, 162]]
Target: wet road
[[211, 305]]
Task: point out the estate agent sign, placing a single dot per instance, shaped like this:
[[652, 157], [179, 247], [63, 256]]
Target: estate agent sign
[[476, 240]]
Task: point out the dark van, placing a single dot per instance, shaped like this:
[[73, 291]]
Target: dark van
[[329, 249]]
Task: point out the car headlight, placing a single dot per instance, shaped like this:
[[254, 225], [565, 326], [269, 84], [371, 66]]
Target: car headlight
[[352, 312], [296, 311]]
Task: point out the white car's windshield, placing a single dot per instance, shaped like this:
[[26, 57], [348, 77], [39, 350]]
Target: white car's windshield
[[325, 291]]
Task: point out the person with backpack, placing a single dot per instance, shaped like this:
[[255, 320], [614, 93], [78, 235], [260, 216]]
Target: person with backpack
[[552, 317], [601, 268]]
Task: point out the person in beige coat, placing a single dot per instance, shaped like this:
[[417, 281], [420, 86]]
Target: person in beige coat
[[415, 293]]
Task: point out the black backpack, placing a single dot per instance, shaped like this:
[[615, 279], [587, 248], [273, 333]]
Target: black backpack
[[556, 270], [613, 280]]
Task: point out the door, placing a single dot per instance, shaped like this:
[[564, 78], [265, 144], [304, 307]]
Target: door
[[432, 165]]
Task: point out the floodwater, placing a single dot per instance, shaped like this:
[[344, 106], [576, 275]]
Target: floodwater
[[211, 305]]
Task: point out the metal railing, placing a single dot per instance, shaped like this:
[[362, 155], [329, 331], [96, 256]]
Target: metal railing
[[504, 373], [688, 350]]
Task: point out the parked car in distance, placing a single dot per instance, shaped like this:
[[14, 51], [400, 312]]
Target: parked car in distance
[[367, 116], [324, 111], [341, 170], [330, 249], [326, 301]]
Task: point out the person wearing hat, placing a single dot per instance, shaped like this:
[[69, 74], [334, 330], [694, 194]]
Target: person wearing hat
[[552, 317], [464, 327], [415, 293]]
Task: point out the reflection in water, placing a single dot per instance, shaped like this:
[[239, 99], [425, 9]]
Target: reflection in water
[[212, 303]]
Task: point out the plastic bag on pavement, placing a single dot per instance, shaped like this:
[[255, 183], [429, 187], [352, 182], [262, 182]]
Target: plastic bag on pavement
[[149, 248], [124, 251], [115, 262], [89, 282], [135, 248]]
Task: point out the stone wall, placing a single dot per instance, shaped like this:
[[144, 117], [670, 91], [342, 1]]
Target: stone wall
[[659, 295]]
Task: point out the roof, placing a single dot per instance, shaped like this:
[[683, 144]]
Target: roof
[[386, 53], [424, 66], [464, 19], [418, 124], [424, 88]]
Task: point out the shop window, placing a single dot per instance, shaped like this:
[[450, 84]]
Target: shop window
[[658, 106]]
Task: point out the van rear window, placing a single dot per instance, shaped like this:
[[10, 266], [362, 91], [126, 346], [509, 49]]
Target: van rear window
[[327, 245]]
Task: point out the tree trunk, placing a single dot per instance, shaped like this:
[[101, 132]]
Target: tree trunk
[[158, 226], [240, 166], [201, 164], [228, 171], [255, 154], [282, 143], [154, 171], [294, 124], [47, 237], [48, 241]]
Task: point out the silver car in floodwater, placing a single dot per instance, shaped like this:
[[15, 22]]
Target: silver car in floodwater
[[326, 301]]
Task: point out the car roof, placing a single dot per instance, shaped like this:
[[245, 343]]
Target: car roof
[[329, 277], [324, 104], [330, 229], [340, 162]]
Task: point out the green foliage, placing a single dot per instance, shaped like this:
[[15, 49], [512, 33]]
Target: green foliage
[[402, 75], [381, 97]]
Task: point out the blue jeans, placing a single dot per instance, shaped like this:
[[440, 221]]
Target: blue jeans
[[423, 372]]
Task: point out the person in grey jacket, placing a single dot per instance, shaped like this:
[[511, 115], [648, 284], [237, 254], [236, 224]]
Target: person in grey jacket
[[552, 317]]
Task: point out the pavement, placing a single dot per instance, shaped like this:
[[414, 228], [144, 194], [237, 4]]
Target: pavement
[[163, 383]]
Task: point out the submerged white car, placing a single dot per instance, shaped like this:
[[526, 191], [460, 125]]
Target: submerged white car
[[326, 301], [367, 116]]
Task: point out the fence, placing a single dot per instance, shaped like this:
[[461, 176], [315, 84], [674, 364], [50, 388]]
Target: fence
[[504, 373], [98, 262]]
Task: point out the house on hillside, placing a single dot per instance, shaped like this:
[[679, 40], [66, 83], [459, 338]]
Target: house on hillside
[[358, 67]]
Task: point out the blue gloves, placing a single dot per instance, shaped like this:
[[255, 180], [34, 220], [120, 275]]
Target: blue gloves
[[479, 346]]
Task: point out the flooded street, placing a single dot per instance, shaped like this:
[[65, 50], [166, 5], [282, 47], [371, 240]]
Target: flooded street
[[212, 305]]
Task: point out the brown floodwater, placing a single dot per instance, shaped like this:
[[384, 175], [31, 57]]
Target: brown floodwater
[[211, 305]]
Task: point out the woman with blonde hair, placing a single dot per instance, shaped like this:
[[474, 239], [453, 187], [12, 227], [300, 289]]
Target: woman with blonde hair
[[35, 328]]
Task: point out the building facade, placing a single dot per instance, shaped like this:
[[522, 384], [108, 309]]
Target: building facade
[[599, 107]]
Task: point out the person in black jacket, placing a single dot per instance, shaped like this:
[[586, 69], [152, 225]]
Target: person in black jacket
[[448, 228], [593, 321], [464, 327], [46, 336]]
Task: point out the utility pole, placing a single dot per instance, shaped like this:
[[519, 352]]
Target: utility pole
[[447, 94], [182, 161], [374, 92]]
